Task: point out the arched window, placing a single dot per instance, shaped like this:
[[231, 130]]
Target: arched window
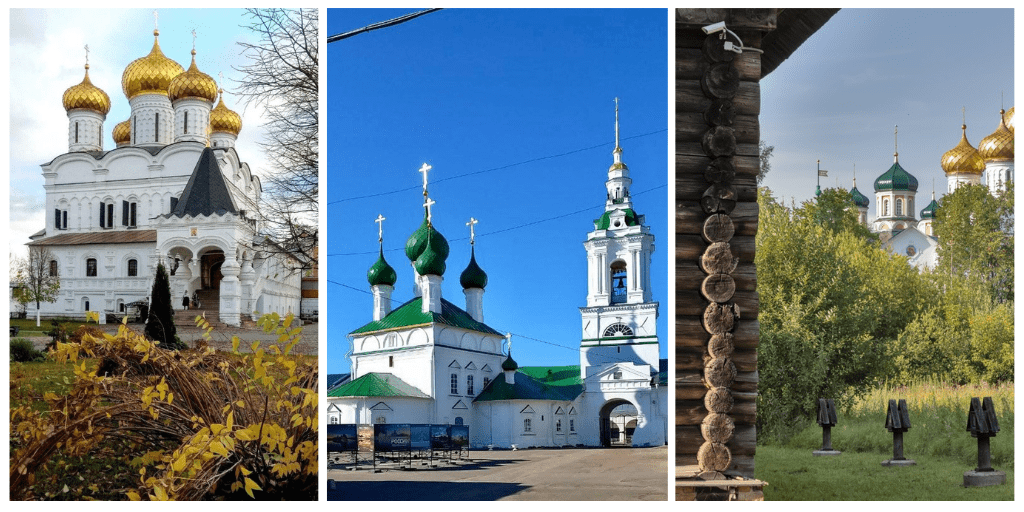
[[910, 206], [469, 385], [334, 420], [133, 268], [459, 420], [899, 207], [53, 268], [885, 208], [617, 330], [618, 270], [527, 425], [90, 267], [455, 383]]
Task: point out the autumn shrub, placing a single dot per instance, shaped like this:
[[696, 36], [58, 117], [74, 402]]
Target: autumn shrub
[[22, 351], [205, 424]]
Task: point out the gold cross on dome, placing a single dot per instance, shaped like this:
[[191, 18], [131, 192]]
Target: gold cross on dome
[[193, 39], [87, 55], [427, 204], [380, 227], [472, 235], [156, 20], [425, 169]]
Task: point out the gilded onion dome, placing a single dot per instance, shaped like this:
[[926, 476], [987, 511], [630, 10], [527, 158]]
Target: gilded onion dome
[[431, 260], [999, 145], [1008, 119], [150, 74], [963, 158], [381, 272], [223, 119], [192, 84], [122, 132], [86, 95], [473, 276], [418, 241]]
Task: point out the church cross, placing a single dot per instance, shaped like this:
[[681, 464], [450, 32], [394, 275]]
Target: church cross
[[87, 55], [427, 204], [508, 342], [156, 20], [193, 39], [472, 235], [380, 227], [425, 169]]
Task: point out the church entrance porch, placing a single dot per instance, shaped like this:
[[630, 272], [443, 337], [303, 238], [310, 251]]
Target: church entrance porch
[[210, 264], [618, 421]]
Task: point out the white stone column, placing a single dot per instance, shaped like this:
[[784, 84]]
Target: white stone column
[[431, 293], [475, 303], [381, 300], [230, 291], [247, 278], [197, 112]]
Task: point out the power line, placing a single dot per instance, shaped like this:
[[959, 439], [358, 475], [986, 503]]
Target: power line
[[474, 173], [520, 226], [381, 24]]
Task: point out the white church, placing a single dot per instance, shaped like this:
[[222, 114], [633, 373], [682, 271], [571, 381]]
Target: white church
[[899, 229], [431, 361], [174, 190]]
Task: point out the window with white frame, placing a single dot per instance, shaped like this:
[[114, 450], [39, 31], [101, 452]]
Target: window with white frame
[[558, 425], [60, 219], [53, 268], [527, 425], [128, 211], [469, 385], [455, 383], [572, 425], [133, 268], [90, 267]]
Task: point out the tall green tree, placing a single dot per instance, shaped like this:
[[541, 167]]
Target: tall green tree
[[975, 232], [160, 325], [36, 278]]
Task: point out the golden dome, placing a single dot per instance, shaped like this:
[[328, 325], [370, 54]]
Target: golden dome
[[122, 132], [1008, 119], [963, 158], [150, 74], [223, 119], [999, 145], [192, 84], [86, 95]]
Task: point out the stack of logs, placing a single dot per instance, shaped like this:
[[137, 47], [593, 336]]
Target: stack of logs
[[717, 134]]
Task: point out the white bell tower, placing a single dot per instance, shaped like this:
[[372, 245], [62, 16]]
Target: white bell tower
[[619, 321]]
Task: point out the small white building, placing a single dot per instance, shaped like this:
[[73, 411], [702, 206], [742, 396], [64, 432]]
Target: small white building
[[174, 190], [430, 361]]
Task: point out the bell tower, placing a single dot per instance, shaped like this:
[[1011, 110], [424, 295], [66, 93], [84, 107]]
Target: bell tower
[[619, 320]]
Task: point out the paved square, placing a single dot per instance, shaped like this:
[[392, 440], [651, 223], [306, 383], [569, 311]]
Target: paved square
[[602, 474]]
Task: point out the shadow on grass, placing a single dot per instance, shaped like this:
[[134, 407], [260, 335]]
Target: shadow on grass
[[421, 491]]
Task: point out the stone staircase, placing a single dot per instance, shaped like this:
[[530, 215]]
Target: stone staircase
[[209, 301]]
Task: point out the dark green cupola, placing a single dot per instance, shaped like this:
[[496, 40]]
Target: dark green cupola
[[431, 260], [896, 178], [417, 242], [929, 211], [381, 272], [860, 200], [510, 364], [473, 276]]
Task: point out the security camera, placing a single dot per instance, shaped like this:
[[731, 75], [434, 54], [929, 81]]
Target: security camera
[[714, 28]]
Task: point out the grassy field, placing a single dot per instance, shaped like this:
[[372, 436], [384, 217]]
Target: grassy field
[[28, 326], [938, 440]]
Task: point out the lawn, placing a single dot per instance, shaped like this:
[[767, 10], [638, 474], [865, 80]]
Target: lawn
[[28, 326], [938, 440]]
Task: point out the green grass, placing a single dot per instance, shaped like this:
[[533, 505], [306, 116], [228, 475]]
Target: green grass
[[28, 325], [793, 474]]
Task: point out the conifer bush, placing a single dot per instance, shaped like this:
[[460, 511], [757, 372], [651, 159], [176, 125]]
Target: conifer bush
[[160, 325]]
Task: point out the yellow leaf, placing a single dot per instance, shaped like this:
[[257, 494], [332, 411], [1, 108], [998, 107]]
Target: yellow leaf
[[245, 472], [231, 419], [250, 486], [234, 343], [218, 448], [179, 464], [134, 496], [161, 494]]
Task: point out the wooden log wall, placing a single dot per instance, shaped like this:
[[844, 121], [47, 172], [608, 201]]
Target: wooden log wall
[[717, 135]]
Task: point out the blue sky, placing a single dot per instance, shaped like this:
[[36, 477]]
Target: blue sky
[[476, 91], [839, 96], [47, 57]]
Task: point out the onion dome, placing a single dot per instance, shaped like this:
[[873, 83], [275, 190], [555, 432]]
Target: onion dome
[[381, 272], [223, 119], [896, 178], [860, 200], [999, 145], [122, 132], [510, 364], [192, 84], [1008, 119], [430, 262], [929, 211], [150, 74], [86, 95], [473, 276], [417, 242], [963, 158]]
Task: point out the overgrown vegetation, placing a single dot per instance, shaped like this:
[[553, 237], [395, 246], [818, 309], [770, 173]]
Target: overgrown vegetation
[[22, 351], [840, 315], [192, 424]]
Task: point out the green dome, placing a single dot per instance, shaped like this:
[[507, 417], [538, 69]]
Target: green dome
[[473, 276], [859, 199], [929, 211], [431, 260], [381, 272], [510, 364], [896, 178], [417, 241], [605, 221]]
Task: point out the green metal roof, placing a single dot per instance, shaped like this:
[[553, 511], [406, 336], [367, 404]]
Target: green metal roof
[[896, 178], [377, 385], [411, 314], [473, 276], [381, 272], [929, 211], [605, 221], [536, 383]]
